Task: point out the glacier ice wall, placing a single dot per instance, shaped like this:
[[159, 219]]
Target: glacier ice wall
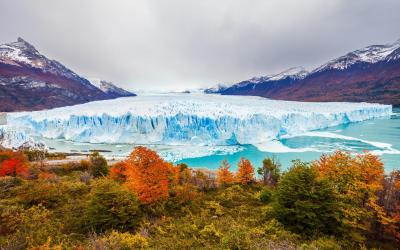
[[184, 119], [15, 138]]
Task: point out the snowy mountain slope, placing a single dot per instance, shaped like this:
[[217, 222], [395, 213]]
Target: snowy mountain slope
[[291, 74], [189, 119], [369, 74], [294, 73], [23, 54], [30, 81], [109, 88], [371, 54]]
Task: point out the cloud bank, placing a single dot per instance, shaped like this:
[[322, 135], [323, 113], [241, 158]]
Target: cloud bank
[[183, 44]]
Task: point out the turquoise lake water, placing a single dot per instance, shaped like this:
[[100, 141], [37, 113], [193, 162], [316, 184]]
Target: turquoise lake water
[[354, 137]]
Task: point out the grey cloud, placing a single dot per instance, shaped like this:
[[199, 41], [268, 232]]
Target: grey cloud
[[179, 44]]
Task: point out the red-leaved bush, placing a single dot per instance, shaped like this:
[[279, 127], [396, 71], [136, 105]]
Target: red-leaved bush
[[13, 164]]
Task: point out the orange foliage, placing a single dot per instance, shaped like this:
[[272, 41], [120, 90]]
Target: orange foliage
[[245, 174], [185, 193], [180, 175], [117, 171], [147, 175], [46, 176], [13, 164], [181, 186], [224, 176], [357, 181], [392, 198]]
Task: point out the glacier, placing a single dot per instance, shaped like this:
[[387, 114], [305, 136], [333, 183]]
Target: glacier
[[186, 119]]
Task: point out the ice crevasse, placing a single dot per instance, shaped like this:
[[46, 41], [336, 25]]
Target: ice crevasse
[[185, 119]]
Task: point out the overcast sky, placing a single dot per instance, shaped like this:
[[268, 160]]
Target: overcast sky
[[168, 44]]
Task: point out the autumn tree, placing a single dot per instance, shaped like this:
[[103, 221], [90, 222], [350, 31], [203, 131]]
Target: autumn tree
[[224, 176], [181, 188], [118, 171], [147, 175], [390, 199], [245, 173], [181, 174], [13, 164], [356, 182], [269, 171]]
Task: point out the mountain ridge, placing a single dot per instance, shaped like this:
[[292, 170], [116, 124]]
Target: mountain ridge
[[370, 74], [30, 81]]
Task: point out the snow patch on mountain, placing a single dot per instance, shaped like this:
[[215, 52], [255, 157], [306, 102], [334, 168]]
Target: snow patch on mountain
[[294, 73], [369, 54], [16, 52]]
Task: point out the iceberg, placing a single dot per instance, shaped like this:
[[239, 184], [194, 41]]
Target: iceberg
[[189, 119]]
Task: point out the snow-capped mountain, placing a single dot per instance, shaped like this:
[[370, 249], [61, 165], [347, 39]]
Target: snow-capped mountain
[[109, 88], [369, 74], [23, 54], [288, 75], [371, 54], [31, 81]]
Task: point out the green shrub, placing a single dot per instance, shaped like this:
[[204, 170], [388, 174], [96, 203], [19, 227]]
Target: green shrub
[[9, 219], [266, 195], [98, 165], [238, 237], [210, 234], [35, 226], [47, 193], [234, 196], [124, 241], [305, 204], [112, 207], [215, 208], [324, 243], [7, 184]]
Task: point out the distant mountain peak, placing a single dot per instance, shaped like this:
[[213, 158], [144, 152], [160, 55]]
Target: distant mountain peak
[[24, 42], [21, 40], [109, 88], [369, 54]]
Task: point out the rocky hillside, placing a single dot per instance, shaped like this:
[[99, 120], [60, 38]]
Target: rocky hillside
[[30, 81]]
